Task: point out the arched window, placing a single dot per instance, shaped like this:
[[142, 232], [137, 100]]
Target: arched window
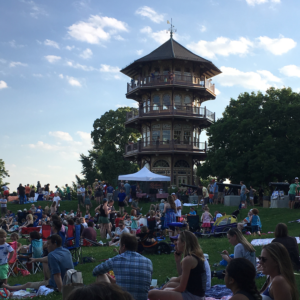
[[166, 101], [156, 102], [187, 100], [177, 101], [181, 164], [161, 164]]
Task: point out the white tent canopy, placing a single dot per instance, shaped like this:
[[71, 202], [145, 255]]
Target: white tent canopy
[[144, 175]]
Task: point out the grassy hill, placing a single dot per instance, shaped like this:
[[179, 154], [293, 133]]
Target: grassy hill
[[164, 265]]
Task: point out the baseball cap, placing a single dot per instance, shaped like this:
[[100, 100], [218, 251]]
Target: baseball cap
[[296, 178]]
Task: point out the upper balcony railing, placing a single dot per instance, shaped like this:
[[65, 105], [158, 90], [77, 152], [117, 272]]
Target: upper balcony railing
[[157, 80], [173, 110], [168, 145]]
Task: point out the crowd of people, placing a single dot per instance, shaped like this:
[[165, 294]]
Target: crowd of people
[[133, 271]]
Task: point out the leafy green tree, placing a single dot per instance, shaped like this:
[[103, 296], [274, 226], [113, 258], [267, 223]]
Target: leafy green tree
[[3, 173], [110, 137], [257, 139]]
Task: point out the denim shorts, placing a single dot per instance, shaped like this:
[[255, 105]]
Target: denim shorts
[[292, 197]]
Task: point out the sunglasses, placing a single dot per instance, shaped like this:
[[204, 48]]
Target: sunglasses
[[263, 259]]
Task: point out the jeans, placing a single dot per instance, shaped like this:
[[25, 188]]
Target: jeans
[[21, 199]]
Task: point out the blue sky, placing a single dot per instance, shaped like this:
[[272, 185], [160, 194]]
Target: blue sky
[[60, 62]]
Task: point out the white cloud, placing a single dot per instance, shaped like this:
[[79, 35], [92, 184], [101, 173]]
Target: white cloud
[[260, 80], [202, 28], [79, 66], [254, 2], [42, 145], [2, 61], [277, 46], [17, 63], [84, 135], [217, 92], [221, 46], [290, 71], [61, 76], [70, 47], [139, 52], [93, 31], [65, 136], [73, 81], [150, 13], [109, 69], [37, 75], [117, 77], [54, 167], [86, 54], [35, 10], [51, 44], [159, 36], [52, 58], [3, 85], [14, 44]]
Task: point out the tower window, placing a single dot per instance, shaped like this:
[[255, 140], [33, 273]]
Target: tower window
[[181, 164], [161, 164]]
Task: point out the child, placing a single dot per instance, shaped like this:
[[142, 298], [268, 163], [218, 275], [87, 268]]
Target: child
[[255, 222], [192, 211], [6, 253], [133, 218], [206, 218], [118, 219], [14, 237]]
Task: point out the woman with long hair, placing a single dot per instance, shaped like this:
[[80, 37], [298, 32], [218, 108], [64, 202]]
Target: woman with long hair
[[29, 221], [191, 284], [103, 219], [240, 278], [242, 248], [289, 242], [275, 262], [170, 211]]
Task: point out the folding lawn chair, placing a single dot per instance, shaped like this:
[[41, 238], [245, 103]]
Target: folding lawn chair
[[37, 252], [63, 237], [70, 236], [13, 262], [46, 231], [193, 222], [75, 249]]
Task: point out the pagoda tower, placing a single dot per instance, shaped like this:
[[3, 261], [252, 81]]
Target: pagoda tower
[[170, 85]]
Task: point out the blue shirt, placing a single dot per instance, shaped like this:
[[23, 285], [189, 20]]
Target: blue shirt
[[216, 187], [121, 197], [255, 220], [59, 261], [133, 273], [109, 189], [243, 189], [192, 213]]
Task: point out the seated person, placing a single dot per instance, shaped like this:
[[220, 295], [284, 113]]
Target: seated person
[[14, 237], [192, 211], [33, 208], [119, 230], [59, 260], [35, 221], [89, 232], [71, 213], [14, 227], [38, 213], [4, 225], [28, 223], [119, 218], [240, 278], [25, 252]]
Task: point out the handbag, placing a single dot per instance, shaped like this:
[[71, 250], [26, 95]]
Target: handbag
[[72, 281]]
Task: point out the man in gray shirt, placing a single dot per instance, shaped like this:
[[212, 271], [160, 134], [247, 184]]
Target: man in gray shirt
[[127, 188]]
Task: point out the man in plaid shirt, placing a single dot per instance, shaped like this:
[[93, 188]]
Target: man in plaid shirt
[[133, 272]]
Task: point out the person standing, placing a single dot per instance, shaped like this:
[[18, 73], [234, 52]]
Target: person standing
[[68, 192], [292, 194], [178, 205], [79, 196], [133, 191], [57, 199], [260, 195], [21, 191], [95, 184], [252, 192], [6, 190], [3, 203], [199, 193], [110, 192], [221, 192], [121, 198], [82, 193], [205, 195], [243, 192], [215, 192], [27, 191], [127, 188]]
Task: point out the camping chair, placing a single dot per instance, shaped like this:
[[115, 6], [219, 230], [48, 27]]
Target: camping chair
[[13, 262], [25, 231], [76, 248], [46, 231], [63, 237], [70, 235], [193, 222]]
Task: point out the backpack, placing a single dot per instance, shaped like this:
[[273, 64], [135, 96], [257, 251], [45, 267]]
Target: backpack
[[72, 276]]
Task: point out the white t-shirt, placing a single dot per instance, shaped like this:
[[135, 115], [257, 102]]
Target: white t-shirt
[[4, 249], [82, 191], [5, 188], [71, 215], [85, 225], [178, 203], [3, 202], [218, 216], [79, 191], [56, 199]]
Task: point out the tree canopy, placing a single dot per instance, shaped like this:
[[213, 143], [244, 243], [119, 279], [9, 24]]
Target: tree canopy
[[3, 173], [257, 139], [105, 161]]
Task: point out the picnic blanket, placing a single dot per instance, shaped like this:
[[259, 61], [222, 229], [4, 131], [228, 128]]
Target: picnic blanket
[[263, 242], [190, 204], [218, 291]]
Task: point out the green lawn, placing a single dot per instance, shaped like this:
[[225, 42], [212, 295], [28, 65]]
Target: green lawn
[[164, 265]]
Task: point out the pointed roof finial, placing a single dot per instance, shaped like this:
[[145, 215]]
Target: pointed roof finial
[[172, 29]]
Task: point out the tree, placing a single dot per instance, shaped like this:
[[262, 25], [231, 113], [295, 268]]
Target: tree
[[3, 173], [257, 139], [110, 138]]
